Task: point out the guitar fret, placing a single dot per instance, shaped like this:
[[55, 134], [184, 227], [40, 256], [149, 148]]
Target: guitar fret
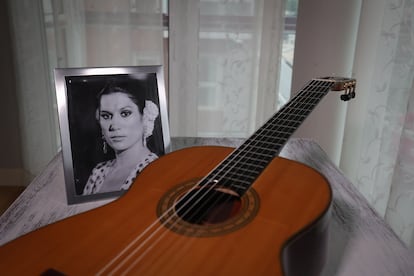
[[265, 150], [245, 164], [269, 143], [291, 118], [241, 176], [263, 146], [245, 161], [298, 109], [270, 137], [238, 173], [243, 171], [249, 154], [235, 177], [280, 127], [309, 101], [289, 123], [237, 180], [298, 117], [238, 187], [279, 135], [258, 162], [262, 154], [273, 141], [289, 127]]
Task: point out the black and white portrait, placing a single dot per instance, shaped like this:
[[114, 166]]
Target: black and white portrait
[[115, 129]]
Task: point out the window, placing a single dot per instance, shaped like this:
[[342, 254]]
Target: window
[[288, 47]]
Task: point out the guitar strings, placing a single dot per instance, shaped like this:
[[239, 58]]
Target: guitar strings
[[277, 126], [249, 143], [290, 105], [253, 141], [146, 231], [119, 255]]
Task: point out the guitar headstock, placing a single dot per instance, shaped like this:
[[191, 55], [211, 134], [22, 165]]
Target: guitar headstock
[[342, 84]]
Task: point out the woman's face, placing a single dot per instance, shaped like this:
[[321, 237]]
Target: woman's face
[[121, 121]]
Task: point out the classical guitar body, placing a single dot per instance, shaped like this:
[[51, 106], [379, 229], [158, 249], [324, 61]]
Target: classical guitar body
[[201, 211], [279, 227]]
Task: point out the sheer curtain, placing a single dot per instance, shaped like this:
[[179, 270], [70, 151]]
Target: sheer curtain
[[224, 62], [103, 32], [79, 33], [35, 100], [380, 158], [224, 65], [394, 139]]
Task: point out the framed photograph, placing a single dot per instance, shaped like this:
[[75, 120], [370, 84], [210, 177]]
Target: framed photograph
[[113, 123]]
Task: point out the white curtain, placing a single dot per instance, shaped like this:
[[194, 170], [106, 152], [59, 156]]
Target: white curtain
[[104, 33], [224, 65], [39, 138], [383, 163], [78, 33], [223, 68], [390, 123]]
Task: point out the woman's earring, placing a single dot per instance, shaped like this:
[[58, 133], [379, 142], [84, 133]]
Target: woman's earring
[[104, 145], [144, 140]]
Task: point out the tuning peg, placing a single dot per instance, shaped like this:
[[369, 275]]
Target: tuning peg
[[346, 97], [349, 93]]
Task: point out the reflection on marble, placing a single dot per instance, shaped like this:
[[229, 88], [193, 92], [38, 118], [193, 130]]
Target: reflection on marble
[[360, 242]]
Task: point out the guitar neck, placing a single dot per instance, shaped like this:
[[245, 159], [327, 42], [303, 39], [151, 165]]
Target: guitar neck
[[239, 170]]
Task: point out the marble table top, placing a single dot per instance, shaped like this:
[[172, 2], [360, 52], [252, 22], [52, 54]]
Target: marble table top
[[360, 242]]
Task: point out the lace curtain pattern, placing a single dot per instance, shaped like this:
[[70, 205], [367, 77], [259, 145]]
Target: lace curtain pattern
[[385, 171], [223, 62], [50, 34], [224, 65]]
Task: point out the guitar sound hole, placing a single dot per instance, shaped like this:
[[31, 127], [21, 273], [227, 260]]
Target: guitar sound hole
[[205, 206]]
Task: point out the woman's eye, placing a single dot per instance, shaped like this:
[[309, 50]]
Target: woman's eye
[[105, 116], [125, 113]]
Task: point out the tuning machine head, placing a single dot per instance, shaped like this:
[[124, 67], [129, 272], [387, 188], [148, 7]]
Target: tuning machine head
[[349, 93], [343, 84]]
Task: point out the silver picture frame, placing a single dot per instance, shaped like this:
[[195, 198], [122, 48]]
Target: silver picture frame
[[77, 90]]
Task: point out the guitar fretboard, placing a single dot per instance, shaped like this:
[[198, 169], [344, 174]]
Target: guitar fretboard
[[239, 170]]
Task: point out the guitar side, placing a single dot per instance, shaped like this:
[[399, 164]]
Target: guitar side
[[286, 235]]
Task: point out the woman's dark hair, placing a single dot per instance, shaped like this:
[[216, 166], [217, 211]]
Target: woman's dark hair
[[85, 133], [123, 87]]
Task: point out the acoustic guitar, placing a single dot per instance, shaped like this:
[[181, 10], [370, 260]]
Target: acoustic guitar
[[201, 211]]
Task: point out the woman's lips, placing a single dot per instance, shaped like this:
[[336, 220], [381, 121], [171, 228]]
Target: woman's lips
[[117, 138]]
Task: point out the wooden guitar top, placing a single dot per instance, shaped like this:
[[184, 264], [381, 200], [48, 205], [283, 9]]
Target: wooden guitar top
[[279, 228]]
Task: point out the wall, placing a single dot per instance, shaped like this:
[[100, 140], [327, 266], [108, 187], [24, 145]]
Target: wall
[[325, 46], [11, 172]]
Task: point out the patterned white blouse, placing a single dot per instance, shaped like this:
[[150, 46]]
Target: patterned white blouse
[[100, 171]]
